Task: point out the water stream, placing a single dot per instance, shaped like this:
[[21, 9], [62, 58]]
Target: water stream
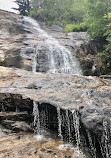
[[34, 61], [105, 141], [76, 127], [59, 59], [93, 150], [59, 124], [68, 125], [36, 117]]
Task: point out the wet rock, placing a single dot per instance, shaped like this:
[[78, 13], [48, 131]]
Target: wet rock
[[11, 102], [83, 47], [19, 43], [17, 126], [90, 96]]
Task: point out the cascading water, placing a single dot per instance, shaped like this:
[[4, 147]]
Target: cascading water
[[68, 125], [76, 127], [59, 124], [93, 150], [105, 141], [36, 117], [34, 61], [60, 59]]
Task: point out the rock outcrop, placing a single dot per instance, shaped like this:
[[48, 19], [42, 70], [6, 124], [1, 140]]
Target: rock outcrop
[[82, 46], [23, 145], [19, 42], [90, 96]]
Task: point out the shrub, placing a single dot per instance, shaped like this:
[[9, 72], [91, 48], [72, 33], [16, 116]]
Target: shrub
[[32, 13], [75, 28]]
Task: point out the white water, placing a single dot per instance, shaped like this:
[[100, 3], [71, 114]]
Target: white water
[[60, 59], [59, 124], [105, 142], [93, 150], [34, 61], [68, 125], [39, 137], [36, 117], [76, 127]]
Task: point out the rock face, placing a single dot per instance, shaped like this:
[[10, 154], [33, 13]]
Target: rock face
[[78, 107], [82, 46], [90, 96], [23, 145], [19, 42]]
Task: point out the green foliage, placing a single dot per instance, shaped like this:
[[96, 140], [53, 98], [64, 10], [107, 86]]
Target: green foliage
[[102, 54], [107, 50], [107, 57], [50, 22], [61, 10], [94, 19], [33, 13], [23, 7], [75, 27]]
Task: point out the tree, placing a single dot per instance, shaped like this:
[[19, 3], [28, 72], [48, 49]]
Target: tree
[[67, 11], [107, 50], [23, 7], [96, 9]]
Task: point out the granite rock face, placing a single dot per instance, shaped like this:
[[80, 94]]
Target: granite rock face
[[19, 43], [90, 96], [82, 46]]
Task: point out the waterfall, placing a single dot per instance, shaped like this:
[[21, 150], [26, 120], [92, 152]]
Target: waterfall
[[105, 141], [36, 117], [59, 124], [76, 127], [34, 61], [68, 125], [60, 59], [93, 150], [105, 135]]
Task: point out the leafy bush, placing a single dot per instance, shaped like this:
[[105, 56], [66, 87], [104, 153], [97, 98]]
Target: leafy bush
[[67, 10], [49, 22], [33, 13], [75, 28]]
